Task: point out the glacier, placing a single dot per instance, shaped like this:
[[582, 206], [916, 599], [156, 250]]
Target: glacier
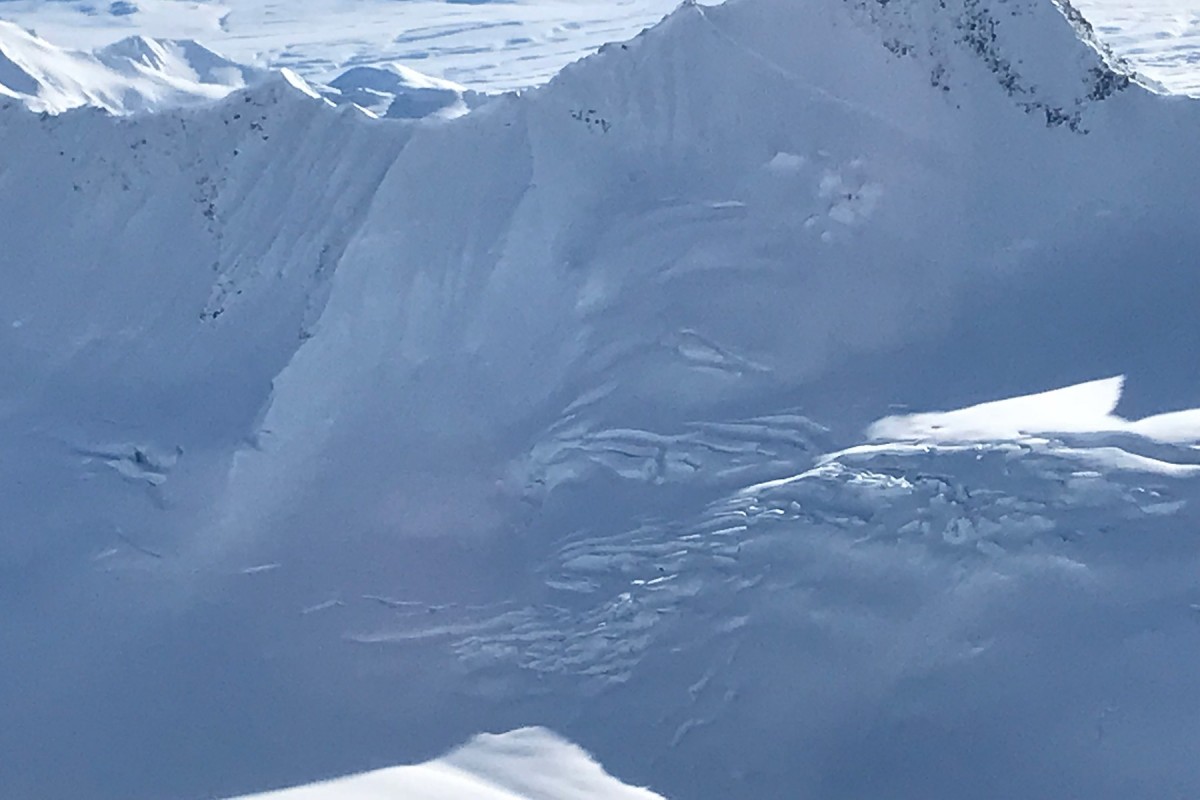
[[742, 405]]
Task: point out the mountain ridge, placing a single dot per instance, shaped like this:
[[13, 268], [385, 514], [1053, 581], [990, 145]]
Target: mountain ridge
[[556, 412], [135, 74]]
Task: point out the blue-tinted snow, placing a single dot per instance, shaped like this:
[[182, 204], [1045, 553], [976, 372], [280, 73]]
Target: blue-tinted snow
[[333, 442]]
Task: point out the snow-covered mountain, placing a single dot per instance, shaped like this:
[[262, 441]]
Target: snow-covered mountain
[[615, 407], [1161, 36], [494, 46], [134, 74], [139, 74], [487, 45], [394, 90]]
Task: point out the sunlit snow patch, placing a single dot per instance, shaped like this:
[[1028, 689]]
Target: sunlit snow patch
[[527, 764], [1083, 408], [1161, 37]]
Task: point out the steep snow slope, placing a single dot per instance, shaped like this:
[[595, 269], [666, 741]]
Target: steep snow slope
[[134, 74], [353, 438]]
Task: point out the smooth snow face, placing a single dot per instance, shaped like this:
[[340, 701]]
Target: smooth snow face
[[333, 442], [529, 764]]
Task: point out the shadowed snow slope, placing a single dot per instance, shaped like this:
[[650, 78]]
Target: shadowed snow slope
[[334, 441], [529, 764], [486, 45]]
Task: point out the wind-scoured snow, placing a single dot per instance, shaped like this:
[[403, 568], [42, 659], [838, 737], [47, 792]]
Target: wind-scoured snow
[[611, 407]]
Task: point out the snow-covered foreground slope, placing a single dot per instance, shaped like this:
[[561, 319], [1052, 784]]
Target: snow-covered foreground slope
[[529, 764], [613, 408]]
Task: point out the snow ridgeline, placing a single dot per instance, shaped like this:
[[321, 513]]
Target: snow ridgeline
[[555, 414]]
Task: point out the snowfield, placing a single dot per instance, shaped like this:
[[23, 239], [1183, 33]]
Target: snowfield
[[772, 404]]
